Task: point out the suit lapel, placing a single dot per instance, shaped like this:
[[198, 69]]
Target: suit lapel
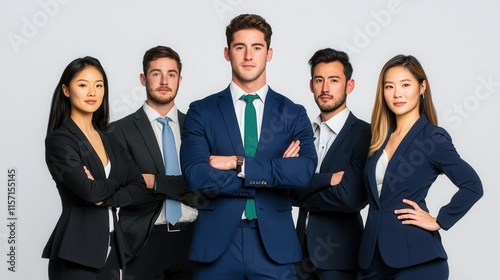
[[391, 174], [73, 128], [350, 122], [228, 114], [146, 131]]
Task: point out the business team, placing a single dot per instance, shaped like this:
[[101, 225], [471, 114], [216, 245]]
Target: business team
[[218, 204]]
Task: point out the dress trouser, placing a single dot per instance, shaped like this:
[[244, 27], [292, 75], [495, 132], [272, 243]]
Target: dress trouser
[[245, 258], [436, 269], [165, 255]]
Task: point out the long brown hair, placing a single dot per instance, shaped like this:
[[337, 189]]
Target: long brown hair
[[383, 119]]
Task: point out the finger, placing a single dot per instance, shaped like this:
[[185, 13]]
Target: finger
[[412, 204]]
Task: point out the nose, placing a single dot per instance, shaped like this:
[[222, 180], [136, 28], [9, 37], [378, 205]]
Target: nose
[[164, 80], [325, 88], [397, 93], [248, 55], [91, 91]]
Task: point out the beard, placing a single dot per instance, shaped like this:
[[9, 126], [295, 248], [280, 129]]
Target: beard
[[330, 107], [161, 99]]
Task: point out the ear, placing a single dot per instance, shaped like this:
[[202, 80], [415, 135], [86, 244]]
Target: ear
[[350, 86], [269, 54], [65, 90], [226, 54], [142, 77], [180, 80], [423, 86], [311, 85]]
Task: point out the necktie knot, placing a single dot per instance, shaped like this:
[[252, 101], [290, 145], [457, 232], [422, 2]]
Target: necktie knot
[[164, 120], [249, 98]]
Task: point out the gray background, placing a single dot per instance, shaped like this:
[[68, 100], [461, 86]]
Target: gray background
[[456, 42]]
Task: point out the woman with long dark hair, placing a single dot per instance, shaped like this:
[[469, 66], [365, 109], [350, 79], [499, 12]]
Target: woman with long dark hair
[[93, 175]]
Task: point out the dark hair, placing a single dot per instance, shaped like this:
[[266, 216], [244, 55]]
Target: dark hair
[[61, 107], [330, 55], [248, 21], [159, 52]]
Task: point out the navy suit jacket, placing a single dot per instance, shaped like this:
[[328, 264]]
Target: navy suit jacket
[[135, 133], [423, 154], [211, 128], [82, 233], [335, 225]]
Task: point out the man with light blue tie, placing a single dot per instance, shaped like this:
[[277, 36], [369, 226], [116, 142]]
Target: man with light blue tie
[[244, 148], [160, 229]]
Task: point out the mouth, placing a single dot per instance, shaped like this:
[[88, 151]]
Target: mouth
[[90, 102], [399, 104], [325, 97], [164, 89]]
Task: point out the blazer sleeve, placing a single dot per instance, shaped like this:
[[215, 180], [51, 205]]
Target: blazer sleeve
[[350, 194], [291, 173], [132, 186], [445, 158], [63, 155], [195, 156]]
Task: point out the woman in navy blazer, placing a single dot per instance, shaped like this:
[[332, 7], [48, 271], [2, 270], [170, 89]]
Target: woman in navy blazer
[[93, 175], [407, 153]]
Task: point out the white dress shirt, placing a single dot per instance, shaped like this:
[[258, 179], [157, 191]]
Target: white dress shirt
[[326, 132], [189, 214]]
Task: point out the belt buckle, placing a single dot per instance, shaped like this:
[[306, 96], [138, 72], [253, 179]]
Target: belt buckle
[[172, 229]]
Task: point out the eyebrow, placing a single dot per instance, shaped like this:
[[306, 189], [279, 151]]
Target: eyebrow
[[403, 80], [85, 80], [329, 77], [168, 71], [242, 44]]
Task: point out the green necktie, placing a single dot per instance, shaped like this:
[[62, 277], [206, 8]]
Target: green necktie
[[251, 141]]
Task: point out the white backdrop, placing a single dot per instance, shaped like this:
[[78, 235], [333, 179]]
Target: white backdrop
[[456, 42]]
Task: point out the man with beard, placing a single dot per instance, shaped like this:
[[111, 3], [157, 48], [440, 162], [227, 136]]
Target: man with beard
[[329, 225], [152, 136]]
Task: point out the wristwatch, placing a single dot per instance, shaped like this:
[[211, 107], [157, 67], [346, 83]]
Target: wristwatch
[[239, 163]]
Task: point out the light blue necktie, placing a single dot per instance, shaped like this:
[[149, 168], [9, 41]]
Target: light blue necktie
[[172, 207]]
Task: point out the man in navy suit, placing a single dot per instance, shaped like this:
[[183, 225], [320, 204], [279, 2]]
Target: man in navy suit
[[161, 245], [229, 242], [329, 225]]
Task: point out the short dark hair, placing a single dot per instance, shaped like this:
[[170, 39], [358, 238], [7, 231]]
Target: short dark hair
[[248, 21], [330, 55], [160, 52], [60, 108]]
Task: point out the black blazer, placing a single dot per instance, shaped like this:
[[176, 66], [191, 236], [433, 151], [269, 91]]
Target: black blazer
[[335, 225], [135, 133], [82, 233]]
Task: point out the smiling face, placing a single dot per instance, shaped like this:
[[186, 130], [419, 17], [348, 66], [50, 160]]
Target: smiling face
[[85, 91], [402, 92], [330, 88], [248, 54]]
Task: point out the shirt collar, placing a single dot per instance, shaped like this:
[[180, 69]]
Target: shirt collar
[[153, 115], [335, 123], [237, 92]]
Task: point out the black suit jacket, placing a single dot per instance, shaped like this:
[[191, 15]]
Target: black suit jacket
[[82, 232], [335, 226], [137, 136]]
